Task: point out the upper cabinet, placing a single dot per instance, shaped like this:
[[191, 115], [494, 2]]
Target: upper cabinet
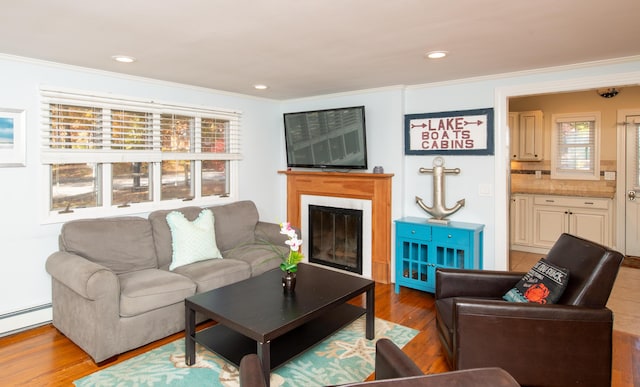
[[526, 135]]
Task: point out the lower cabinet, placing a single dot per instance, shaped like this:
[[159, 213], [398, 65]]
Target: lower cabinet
[[421, 247], [520, 215], [589, 218]]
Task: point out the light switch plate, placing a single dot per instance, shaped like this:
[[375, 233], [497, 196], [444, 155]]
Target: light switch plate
[[610, 175], [485, 190]]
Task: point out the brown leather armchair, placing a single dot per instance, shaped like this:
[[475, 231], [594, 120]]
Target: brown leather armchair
[[394, 368], [564, 344]]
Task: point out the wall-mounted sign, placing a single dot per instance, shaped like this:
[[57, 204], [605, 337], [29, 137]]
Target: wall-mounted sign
[[463, 132]]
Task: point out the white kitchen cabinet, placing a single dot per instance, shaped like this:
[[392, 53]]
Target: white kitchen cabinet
[[538, 220], [520, 215], [526, 140], [589, 218], [514, 135]]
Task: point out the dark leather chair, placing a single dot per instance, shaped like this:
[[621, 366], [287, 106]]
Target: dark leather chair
[[564, 344], [394, 368]]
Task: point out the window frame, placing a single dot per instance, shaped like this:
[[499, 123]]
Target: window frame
[[575, 174], [109, 155]]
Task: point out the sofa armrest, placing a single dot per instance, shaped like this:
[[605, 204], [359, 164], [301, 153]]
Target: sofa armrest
[[525, 338], [270, 232], [251, 374], [497, 310], [474, 283], [391, 362], [88, 279]]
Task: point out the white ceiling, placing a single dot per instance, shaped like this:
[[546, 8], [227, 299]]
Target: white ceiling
[[302, 48]]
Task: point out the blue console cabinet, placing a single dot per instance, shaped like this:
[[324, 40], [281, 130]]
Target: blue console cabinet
[[421, 247]]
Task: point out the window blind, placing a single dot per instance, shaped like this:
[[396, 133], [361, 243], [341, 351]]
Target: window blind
[[80, 127], [576, 143], [574, 146]]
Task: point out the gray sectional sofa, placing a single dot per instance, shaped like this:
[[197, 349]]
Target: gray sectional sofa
[[112, 290]]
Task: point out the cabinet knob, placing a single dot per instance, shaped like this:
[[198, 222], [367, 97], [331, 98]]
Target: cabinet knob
[[449, 236], [413, 231]]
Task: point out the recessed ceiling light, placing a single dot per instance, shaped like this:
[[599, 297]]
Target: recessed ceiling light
[[436, 54], [260, 87], [123, 58]]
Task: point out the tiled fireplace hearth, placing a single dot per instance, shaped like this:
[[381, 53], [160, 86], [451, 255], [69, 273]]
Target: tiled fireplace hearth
[[375, 188]]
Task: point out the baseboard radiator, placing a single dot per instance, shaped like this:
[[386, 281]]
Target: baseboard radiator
[[22, 320]]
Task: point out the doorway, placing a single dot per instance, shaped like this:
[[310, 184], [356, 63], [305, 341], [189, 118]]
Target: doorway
[[502, 175], [613, 150], [628, 141]]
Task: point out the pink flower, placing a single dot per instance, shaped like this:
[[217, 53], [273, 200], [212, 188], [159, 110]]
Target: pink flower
[[294, 243], [286, 229]]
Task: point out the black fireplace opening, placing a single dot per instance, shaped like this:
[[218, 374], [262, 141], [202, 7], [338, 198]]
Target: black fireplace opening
[[335, 237]]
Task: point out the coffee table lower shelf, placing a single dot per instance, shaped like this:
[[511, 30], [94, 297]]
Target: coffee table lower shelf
[[232, 346]]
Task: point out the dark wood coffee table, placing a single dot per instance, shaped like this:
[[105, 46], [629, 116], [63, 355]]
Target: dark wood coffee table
[[255, 316]]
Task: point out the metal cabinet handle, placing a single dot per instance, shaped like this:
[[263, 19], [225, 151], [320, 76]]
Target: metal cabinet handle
[[632, 195]]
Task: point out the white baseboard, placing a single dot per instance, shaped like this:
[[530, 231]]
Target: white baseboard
[[25, 319], [530, 249]]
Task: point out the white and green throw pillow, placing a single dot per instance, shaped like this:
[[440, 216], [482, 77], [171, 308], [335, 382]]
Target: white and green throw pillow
[[192, 241]]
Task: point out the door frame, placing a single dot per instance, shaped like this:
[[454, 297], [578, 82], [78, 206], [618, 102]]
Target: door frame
[[621, 177], [502, 159]]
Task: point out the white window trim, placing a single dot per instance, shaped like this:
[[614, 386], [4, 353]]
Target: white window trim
[[50, 156], [575, 175]]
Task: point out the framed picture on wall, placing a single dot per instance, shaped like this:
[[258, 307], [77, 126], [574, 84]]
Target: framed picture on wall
[[12, 138], [462, 132]]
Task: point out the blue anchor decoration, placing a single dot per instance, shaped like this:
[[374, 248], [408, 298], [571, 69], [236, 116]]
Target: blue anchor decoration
[[439, 211]]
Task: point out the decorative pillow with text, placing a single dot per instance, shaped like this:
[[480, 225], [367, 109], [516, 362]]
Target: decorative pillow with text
[[543, 284], [192, 241]]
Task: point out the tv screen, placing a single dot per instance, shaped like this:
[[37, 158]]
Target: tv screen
[[331, 138]]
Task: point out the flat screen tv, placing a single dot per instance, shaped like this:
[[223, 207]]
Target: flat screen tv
[[331, 138]]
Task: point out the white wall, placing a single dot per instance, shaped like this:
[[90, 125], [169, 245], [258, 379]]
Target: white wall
[[488, 92], [25, 243]]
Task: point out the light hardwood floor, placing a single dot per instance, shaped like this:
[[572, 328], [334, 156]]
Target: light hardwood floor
[[44, 357]]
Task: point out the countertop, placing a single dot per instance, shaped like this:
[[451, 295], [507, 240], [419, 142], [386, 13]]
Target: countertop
[[564, 192]]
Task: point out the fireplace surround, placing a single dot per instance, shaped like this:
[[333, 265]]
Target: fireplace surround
[[375, 187]]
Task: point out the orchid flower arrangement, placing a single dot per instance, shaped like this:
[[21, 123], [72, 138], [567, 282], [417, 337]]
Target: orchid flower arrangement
[[290, 262]]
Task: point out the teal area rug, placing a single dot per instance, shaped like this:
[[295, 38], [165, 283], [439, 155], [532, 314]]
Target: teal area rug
[[345, 357]]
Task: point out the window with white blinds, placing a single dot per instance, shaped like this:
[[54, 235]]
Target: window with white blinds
[[116, 152], [575, 145]]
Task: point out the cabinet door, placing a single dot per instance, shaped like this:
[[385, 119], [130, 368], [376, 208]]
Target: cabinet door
[[548, 224], [590, 224], [514, 135], [520, 220], [530, 129], [412, 264]]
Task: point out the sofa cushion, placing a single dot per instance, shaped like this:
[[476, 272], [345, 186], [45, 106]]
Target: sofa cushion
[[162, 232], [146, 290], [235, 224], [122, 244], [215, 273], [260, 258], [192, 241]]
